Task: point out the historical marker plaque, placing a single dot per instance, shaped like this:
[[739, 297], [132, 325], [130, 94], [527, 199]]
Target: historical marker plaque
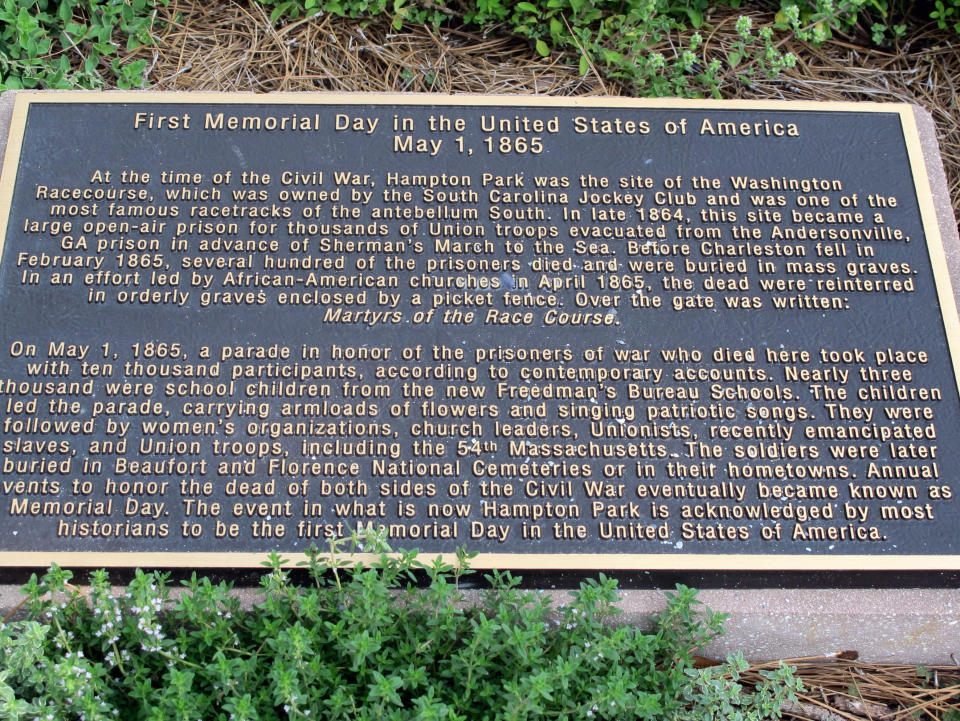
[[584, 334]]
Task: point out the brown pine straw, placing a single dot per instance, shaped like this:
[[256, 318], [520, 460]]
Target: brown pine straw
[[230, 46], [850, 690]]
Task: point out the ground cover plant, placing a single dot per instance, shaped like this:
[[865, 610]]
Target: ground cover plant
[[83, 43], [60, 44], [364, 643]]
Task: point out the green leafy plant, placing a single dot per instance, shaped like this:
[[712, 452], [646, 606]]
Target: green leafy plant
[[885, 19], [947, 14], [643, 43], [819, 18], [72, 43], [393, 640], [754, 53], [716, 693]]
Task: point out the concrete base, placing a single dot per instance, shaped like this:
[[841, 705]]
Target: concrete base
[[910, 626], [885, 626]]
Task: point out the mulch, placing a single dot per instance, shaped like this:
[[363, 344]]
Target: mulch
[[841, 688]]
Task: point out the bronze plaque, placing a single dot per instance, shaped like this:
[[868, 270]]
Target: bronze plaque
[[589, 333]]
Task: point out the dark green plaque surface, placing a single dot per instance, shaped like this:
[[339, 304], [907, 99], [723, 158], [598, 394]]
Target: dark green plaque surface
[[590, 334]]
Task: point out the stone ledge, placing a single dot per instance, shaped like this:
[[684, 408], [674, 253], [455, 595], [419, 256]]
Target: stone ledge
[[908, 626]]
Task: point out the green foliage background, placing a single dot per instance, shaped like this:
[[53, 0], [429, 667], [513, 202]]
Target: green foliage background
[[79, 43]]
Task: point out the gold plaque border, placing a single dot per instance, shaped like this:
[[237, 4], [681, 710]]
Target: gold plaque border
[[519, 561]]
